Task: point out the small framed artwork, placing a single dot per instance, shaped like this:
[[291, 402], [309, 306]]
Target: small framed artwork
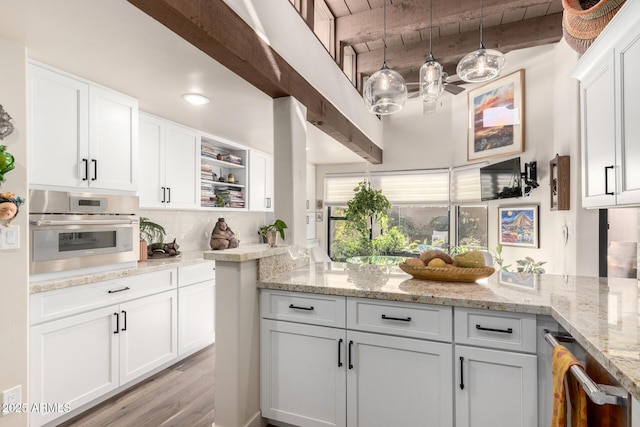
[[518, 226], [496, 118]]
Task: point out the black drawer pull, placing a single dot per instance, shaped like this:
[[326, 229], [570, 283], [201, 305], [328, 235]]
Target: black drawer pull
[[461, 373], [86, 169], [504, 331], [124, 314], [339, 353], [300, 308], [406, 319], [126, 288], [350, 345]]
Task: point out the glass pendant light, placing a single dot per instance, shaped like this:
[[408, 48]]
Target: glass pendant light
[[431, 86], [385, 92], [481, 65]]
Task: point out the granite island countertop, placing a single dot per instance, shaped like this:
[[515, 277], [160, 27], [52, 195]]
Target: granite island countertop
[[602, 314]]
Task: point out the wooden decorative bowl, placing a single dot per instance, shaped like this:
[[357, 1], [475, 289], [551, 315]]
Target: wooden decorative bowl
[[448, 274]]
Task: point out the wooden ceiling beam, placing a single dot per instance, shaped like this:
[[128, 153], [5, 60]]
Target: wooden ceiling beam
[[450, 49], [217, 30], [413, 15]]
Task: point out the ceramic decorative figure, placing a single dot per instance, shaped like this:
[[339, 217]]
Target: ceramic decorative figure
[[222, 237], [6, 127], [6, 162], [9, 206]]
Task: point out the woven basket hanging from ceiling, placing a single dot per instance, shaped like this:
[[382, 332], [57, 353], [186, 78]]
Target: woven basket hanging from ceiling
[[584, 20]]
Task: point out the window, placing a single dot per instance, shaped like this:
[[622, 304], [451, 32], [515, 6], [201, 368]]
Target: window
[[324, 26], [471, 226]]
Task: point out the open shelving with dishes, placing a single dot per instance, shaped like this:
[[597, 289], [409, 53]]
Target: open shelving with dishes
[[223, 173]]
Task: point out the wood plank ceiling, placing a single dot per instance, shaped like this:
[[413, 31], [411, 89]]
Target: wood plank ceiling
[[507, 25]]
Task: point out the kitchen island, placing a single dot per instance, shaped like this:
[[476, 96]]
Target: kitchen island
[[601, 314]]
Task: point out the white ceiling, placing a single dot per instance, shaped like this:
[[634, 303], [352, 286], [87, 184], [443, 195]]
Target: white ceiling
[[113, 43]]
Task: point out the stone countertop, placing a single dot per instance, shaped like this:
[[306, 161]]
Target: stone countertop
[[149, 266], [602, 314], [245, 253]]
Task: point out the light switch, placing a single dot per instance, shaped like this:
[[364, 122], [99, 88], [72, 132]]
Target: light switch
[[10, 237]]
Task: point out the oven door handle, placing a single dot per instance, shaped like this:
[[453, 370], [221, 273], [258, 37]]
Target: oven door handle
[[45, 222]]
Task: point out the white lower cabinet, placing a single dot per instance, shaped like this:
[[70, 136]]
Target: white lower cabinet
[[89, 340], [79, 358], [197, 316], [344, 361], [314, 375], [303, 373], [148, 334], [396, 381], [73, 361], [495, 388]]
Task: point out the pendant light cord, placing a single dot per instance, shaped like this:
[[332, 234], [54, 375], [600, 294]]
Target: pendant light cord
[[430, 25], [481, 43], [384, 35]]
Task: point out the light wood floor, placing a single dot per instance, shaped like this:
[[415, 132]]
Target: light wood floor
[[179, 396]]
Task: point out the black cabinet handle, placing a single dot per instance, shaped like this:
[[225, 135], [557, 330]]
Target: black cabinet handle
[[461, 373], [406, 319], [86, 169], [296, 307], [606, 180], [339, 352], [117, 323], [126, 288], [350, 346], [164, 192], [504, 331], [124, 320], [168, 194], [95, 169]]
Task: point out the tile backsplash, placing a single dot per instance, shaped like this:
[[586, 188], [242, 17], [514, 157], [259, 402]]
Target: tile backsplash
[[192, 229]]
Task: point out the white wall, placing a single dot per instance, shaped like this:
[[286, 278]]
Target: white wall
[[414, 141], [14, 264]]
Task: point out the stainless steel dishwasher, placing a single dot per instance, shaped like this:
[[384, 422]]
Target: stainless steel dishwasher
[[600, 387]]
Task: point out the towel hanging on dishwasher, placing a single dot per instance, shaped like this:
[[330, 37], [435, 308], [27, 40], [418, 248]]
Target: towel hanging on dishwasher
[[561, 360]]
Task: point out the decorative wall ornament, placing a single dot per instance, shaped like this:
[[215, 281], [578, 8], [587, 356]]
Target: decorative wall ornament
[[6, 162], [9, 207], [5, 124]]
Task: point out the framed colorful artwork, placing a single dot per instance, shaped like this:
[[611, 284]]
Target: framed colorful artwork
[[518, 226], [496, 118]]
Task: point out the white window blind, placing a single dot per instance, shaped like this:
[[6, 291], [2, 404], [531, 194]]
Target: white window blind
[[413, 187], [465, 184]]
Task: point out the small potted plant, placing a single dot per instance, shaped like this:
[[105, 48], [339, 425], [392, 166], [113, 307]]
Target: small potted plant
[[150, 232], [270, 232]]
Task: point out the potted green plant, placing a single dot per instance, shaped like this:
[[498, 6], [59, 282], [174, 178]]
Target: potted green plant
[[367, 207], [150, 232], [270, 232]]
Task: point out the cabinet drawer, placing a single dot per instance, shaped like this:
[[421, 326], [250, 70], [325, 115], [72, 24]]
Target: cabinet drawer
[[496, 329], [196, 273], [46, 306], [314, 309], [400, 318]]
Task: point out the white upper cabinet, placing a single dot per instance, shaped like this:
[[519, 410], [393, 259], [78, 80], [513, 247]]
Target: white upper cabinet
[[609, 111], [169, 164], [260, 181], [80, 134]]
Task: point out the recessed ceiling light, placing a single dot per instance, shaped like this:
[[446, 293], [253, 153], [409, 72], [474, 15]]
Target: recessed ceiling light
[[196, 98]]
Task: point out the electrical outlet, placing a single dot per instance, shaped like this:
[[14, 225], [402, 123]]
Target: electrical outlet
[[11, 400]]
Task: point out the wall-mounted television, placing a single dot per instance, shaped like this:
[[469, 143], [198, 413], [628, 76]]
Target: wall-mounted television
[[501, 180]]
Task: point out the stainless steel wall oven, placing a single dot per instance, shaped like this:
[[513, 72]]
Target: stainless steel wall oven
[[70, 231]]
